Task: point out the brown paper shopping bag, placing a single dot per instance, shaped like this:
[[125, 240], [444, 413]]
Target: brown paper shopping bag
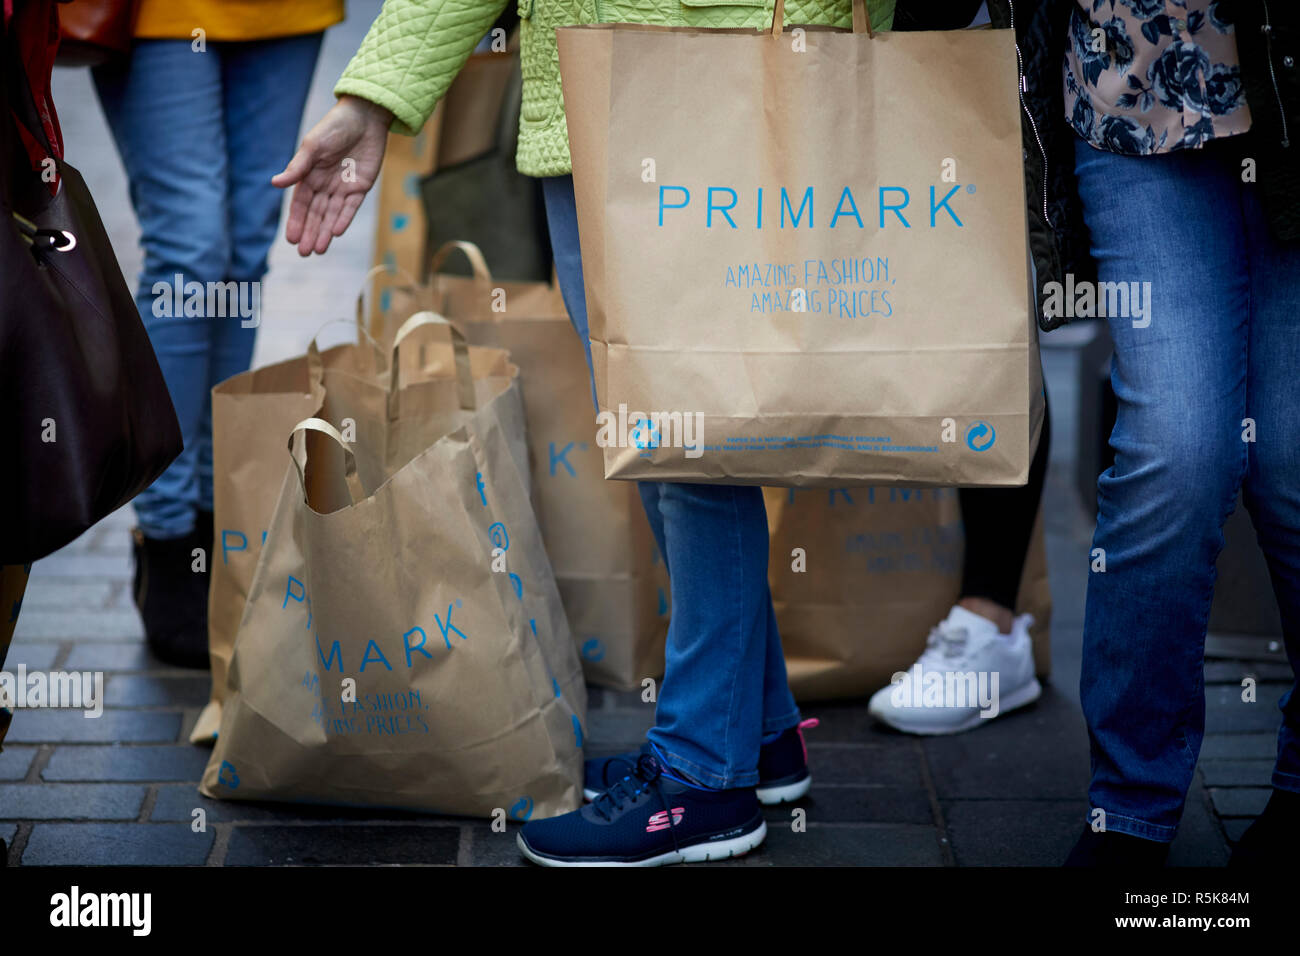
[[251, 412], [816, 274], [404, 644], [879, 567], [614, 586]]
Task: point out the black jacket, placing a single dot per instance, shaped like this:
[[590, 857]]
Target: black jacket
[[1058, 239], [1268, 42], [1268, 46]]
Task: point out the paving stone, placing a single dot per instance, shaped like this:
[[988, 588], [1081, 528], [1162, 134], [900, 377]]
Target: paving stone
[[70, 801], [177, 802], [1236, 827], [843, 722], [7, 832], [110, 540], [69, 726], [78, 565], [1237, 773], [1226, 712], [134, 656], [35, 657], [488, 848], [844, 845], [1039, 752], [1232, 672], [116, 844], [1239, 801], [839, 804], [66, 594], [253, 845], [14, 762], [1013, 832], [885, 765], [103, 625], [133, 762], [1200, 839], [133, 691], [1239, 746]]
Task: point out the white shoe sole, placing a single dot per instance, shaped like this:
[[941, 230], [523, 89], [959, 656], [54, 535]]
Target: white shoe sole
[[699, 853], [770, 796], [897, 718]]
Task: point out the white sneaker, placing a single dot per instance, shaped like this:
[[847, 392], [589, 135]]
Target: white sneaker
[[968, 674]]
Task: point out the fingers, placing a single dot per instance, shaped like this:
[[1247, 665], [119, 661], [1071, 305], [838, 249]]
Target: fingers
[[298, 167], [302, 196], [351, 204], [311, 227]]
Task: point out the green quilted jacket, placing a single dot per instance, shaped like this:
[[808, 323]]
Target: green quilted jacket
[[415, 48]]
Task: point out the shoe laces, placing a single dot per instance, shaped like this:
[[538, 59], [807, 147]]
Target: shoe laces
[[644, 778], [946, 645]]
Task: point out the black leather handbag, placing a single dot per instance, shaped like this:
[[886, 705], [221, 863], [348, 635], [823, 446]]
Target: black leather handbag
[[86, 422]]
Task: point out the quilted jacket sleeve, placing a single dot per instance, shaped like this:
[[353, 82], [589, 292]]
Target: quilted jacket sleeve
[[413, 51]]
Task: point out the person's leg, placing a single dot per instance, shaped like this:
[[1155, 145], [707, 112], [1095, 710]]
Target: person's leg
[[1271, 490], [709, 716], [264, 89], [164, 108], [1173, 221], [998, 524], [709, 719], [981, 634], [1271, 493], [721, 692]]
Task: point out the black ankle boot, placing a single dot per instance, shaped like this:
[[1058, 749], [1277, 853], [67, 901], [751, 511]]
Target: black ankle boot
[[172, 597], [1106, 850], [1273, 840]]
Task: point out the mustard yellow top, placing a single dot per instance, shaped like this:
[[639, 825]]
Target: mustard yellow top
[[235, 19]]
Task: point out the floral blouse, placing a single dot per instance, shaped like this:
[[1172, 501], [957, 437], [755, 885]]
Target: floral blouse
[[1166, 79]]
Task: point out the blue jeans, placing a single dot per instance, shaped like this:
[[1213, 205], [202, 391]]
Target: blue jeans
[[724, 690], [201, 135], [1223, 346]]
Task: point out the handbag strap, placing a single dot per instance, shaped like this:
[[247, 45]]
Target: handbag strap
[[861, 18]]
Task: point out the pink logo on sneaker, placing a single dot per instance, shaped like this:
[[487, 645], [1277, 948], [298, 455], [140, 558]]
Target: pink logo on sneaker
[[659, 821]]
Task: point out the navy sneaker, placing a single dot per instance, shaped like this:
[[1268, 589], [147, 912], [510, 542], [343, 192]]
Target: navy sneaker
[[782, 768], [648, 818]]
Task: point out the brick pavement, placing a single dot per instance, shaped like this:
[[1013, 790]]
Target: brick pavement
[[122, 789]]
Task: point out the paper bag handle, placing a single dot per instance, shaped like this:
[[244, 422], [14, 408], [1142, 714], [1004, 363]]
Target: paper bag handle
[[355, 491], [315, 366], [861, 18], [472, 252], [464, 376], [375, 272]]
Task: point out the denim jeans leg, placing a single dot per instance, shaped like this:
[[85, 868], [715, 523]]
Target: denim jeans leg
[[1180, 384], [265, 85], [721, 690], [1271, 491], [163, 106]]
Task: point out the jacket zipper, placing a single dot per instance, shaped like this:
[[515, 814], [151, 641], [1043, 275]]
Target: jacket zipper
[[1277, 92], [1020, 71]]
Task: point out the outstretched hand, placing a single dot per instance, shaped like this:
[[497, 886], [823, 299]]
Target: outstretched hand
[[332, 171]]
